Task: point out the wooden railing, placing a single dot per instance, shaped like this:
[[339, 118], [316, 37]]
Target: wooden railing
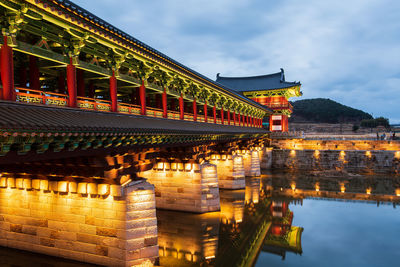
[[173, 115], [30, 96], [154, 112], [40, 97]]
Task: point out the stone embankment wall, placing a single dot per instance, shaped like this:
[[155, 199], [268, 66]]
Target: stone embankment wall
[[336, 144], [95, 223], [353, 156]]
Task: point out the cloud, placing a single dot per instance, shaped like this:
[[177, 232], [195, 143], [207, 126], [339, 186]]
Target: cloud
[[345, 50]]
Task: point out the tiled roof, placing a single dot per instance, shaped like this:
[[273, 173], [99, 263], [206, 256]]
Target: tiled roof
[[25, 117], [255, 83], [146, 49]]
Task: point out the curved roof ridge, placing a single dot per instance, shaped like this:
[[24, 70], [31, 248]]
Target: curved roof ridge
[[254, 83], [250, 77]]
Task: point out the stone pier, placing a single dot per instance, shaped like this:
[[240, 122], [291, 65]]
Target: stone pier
[[230, 170], [251, 162], [102, 224], [189, 187], [266, 158]]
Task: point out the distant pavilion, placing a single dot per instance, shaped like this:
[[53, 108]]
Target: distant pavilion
[[271, 90]]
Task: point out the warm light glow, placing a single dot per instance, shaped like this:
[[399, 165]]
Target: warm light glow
[[368, 154], [397, 155], [188, 166], [292, 153], [160, 165], [293, 186], [342, 154], [398, 192], [174, 166], [316, 154], [180, 166], [317, 187], [368, 191], [342, 188]]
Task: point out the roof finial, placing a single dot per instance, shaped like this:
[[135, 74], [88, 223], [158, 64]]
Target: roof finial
[[217, 75], [282, 75]]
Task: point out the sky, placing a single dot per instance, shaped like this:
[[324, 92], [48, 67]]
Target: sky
[[348, 51]]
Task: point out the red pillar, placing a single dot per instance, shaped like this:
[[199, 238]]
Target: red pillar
[[80, 80], [239, 119], [205, 111], [71, 84], [7, 71], [222, 115], [215, 114], [181, 108], [113, 93], [229, 117], [247, 120], [234, 118], [194, 110], [243, 122], [164, 103], [142, 96], [34, 74]]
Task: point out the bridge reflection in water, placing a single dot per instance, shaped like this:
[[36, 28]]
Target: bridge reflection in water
[[259, 219]]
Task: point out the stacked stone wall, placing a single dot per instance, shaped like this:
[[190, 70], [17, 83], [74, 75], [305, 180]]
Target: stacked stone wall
[[251, 162], [350, 160], [193, 189], [230, 171], [303, 144], [95, 223]]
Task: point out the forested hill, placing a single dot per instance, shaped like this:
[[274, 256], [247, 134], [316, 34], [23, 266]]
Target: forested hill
[[325, 111]]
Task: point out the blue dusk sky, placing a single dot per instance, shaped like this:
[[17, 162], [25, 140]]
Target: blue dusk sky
[[348, 51]]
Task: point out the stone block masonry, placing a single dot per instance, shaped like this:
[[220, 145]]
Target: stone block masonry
[[230, 171], [251, 161], [369, 162], [189, 187], [100, 224], [266, 158], [303, 144]]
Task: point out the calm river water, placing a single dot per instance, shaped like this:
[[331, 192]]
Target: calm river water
[[279, 220]]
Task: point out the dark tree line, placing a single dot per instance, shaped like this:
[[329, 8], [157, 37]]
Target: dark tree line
[[324, 110], [373, 123]]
